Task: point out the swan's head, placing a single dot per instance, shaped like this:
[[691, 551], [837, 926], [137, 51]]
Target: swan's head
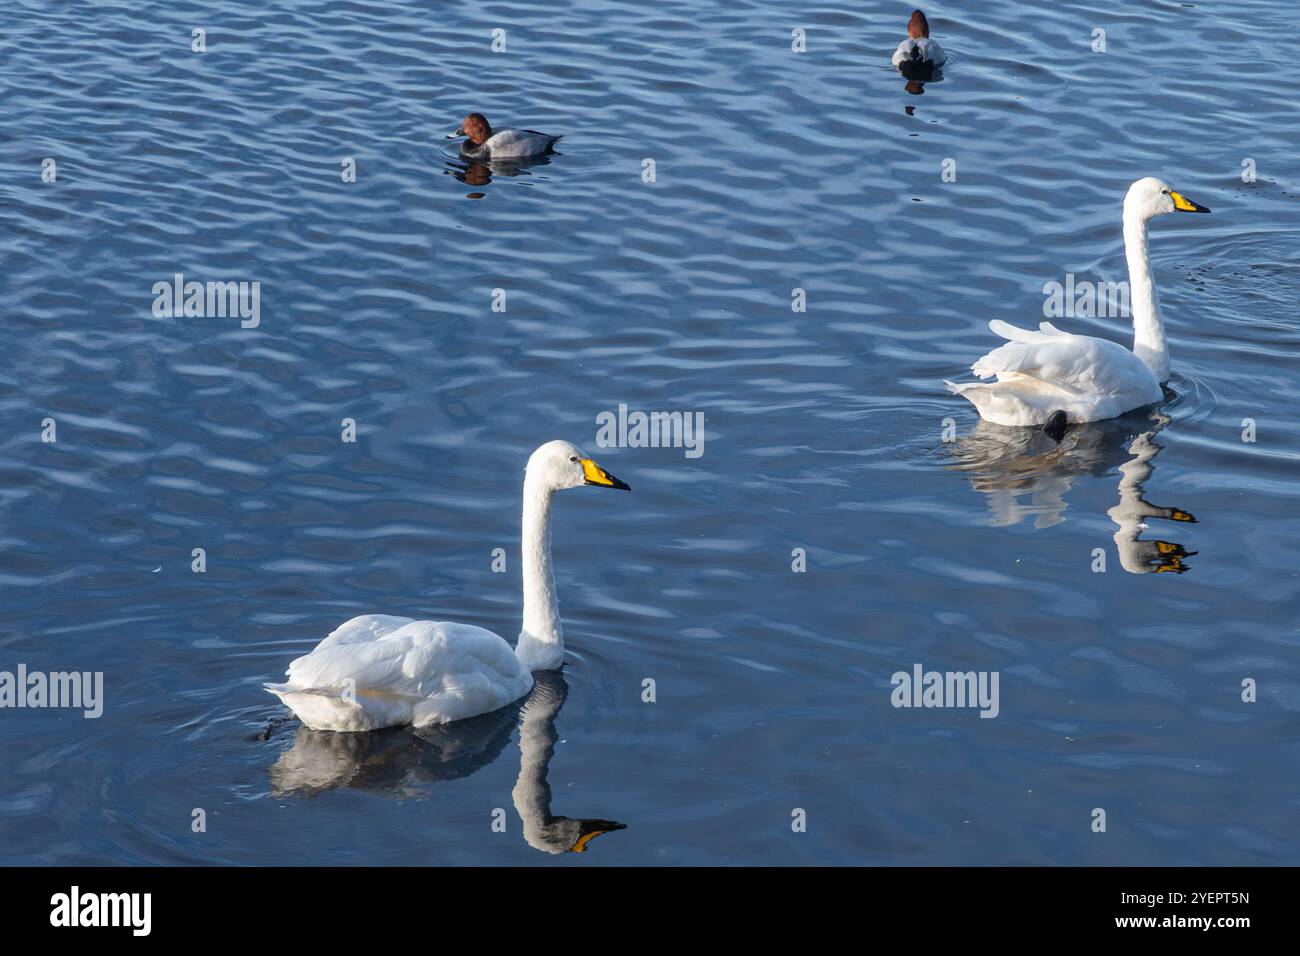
[[1153, 197], [559, 464], [918, 26], [476, 127], [562, 835]]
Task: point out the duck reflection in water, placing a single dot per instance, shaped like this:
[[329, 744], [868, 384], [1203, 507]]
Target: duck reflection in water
[[1024, 472], [919, 75], [474, 172], [405, 763]]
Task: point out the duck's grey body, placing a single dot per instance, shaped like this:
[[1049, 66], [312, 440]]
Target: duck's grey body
[[510, 144]]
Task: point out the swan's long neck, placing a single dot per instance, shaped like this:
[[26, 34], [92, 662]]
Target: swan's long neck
[[1149, 342], [541, 641]]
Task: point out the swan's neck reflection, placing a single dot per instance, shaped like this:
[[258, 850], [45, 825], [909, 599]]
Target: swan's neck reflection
[[405, 763], [1024, 473], [1136, 555], [532, 794]]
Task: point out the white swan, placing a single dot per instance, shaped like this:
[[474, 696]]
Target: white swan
[[380, 671], [1052, 376], [918, 48], [485, 143]]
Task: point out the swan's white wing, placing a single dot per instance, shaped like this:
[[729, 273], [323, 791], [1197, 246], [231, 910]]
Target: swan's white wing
[[367, 627], [1076, 365], [402, 671], [1041, 372], [416, 659]]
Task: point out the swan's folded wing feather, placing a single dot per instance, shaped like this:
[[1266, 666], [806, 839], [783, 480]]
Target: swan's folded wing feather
[[418, 659], [376, 666], [1071, 363], [1027, 352], [459, 652], [366, 627], [1012, 333]]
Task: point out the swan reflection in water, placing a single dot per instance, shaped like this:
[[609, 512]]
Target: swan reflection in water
[[404, 763], [1023, 472], [474, 172], [532, 794]]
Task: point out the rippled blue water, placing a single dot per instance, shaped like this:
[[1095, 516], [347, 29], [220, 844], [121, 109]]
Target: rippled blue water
[[825, 428]]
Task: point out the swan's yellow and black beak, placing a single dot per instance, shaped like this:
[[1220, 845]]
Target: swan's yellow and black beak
[[590, 829], [595, 475], [1183, 204]]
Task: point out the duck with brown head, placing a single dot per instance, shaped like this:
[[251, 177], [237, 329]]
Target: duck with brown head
[[918, 49], [482, 142]]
